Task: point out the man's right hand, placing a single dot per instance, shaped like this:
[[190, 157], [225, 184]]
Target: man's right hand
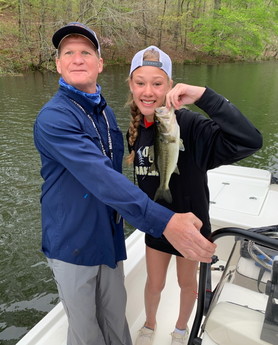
[[183, 232]]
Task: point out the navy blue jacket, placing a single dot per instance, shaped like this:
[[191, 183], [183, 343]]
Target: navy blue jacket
[[83, 188]]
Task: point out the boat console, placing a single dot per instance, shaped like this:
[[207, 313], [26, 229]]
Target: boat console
[[243, 308], [269, 331]]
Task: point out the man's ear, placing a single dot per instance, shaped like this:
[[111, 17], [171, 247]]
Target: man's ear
[[100, 65], [58, 66]]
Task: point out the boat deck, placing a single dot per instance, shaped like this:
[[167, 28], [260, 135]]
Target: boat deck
[[168, 307], [52, 329], [240, 197], [237, 298]]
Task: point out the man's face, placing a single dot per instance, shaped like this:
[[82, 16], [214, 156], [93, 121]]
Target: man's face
[[78, 63]]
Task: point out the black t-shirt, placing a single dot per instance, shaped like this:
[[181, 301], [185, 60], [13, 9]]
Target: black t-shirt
[[224, 138]]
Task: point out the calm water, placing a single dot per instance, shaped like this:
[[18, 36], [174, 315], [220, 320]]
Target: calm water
[[27, 291]]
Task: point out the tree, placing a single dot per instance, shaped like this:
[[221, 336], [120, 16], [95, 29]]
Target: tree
[[162, 18], [240, 29], [243, 32]]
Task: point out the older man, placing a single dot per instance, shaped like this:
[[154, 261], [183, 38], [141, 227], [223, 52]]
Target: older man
[[85, 196]]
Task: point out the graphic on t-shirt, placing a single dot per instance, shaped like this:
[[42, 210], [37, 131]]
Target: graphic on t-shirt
[[144, 161]]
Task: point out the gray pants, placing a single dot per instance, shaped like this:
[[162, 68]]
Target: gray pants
[[94, 299]]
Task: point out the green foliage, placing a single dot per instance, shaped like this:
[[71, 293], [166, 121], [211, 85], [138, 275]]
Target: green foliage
[[242, 32], [241, 29], [5, 4]]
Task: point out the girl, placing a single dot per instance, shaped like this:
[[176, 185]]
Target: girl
[[224, 137]]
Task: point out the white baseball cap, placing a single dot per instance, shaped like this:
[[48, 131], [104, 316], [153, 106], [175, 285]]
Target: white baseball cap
[[164, 62]]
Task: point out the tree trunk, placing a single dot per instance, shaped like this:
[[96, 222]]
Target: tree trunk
[[217, 5], [161, 24]]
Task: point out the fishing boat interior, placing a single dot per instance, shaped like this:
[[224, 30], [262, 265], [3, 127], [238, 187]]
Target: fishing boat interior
[[238, 292]]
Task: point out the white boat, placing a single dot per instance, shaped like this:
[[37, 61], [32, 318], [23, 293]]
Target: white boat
[[240, 198]]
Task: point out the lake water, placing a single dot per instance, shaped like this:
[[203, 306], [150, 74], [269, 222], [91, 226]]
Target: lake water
[[27, 291]]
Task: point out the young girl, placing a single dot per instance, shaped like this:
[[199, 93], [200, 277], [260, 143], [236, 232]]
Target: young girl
[[224, 137]]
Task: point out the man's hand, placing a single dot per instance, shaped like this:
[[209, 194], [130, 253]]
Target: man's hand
[[183, 232]]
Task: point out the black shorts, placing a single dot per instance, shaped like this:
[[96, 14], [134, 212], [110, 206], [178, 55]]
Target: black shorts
[[161, 244]]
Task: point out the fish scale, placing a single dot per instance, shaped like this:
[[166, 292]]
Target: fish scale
[[166, 150]]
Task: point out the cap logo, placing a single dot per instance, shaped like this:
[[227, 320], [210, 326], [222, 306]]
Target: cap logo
[[152, 63], [164, 62]]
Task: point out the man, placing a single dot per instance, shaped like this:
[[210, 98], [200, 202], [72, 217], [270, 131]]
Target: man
[[84, 194]]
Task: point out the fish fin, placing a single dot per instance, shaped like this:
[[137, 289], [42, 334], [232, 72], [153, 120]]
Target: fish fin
[[176, 171], [151, 153], [164, 194], [181, 146], [152, 167]]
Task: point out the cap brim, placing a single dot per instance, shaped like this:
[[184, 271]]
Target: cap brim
[[67, 30]]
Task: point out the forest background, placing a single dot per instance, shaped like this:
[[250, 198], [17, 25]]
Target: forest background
[[190, 31]]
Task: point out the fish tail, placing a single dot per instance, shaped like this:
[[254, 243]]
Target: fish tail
[[164, 194]]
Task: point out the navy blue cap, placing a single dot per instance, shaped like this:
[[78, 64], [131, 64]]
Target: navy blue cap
[[75, 28]]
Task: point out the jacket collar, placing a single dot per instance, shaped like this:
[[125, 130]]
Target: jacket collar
[[89, 105]]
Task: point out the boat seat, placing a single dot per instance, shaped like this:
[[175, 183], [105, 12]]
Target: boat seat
[[248, 274], [229, 324]]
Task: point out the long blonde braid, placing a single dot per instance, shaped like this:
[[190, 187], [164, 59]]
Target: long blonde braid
[[134, 123]]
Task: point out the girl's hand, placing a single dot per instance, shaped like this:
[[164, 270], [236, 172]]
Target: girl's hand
[[183, 94]]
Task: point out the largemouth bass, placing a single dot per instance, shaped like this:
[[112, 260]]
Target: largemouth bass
[[166, 150]]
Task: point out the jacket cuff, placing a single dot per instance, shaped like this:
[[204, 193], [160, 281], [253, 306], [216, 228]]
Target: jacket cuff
[[157, 219]]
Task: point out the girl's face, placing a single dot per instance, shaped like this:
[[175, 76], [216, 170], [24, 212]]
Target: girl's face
[[149, 86]]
